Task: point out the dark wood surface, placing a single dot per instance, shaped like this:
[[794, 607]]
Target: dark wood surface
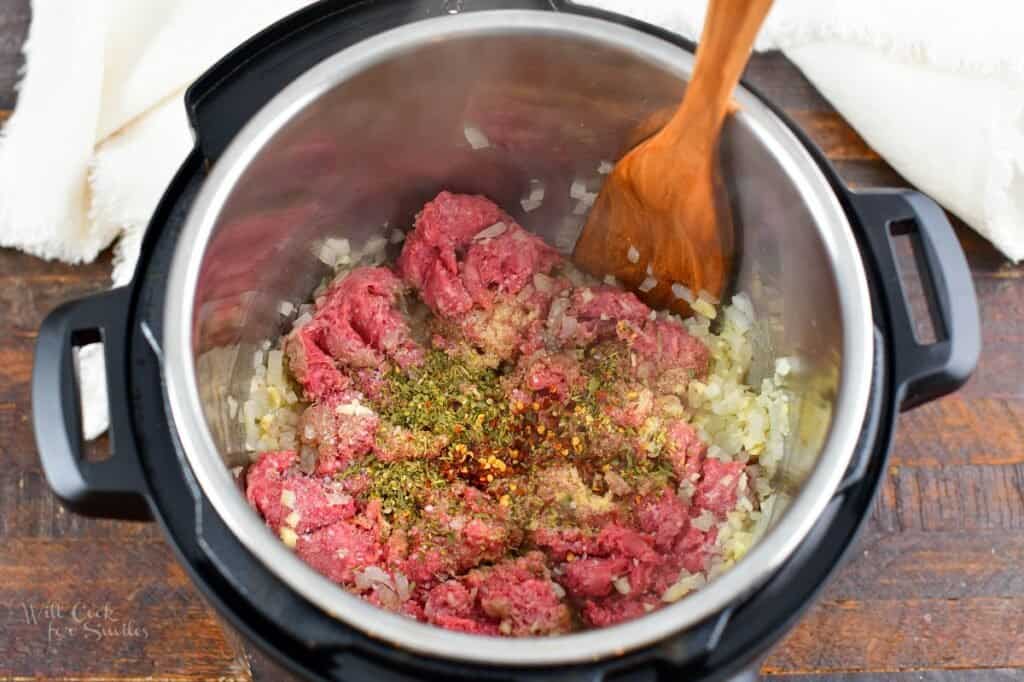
[[934, 591]]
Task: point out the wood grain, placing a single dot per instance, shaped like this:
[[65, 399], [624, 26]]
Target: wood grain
[[887, 635], [63, 603], [933, 592], [921, 565], [923, 675], [14, 20], [834, 135]]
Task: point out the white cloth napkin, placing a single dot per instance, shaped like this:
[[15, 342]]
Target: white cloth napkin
[[935, 86]]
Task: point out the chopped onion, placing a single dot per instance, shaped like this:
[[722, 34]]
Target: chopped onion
[[495, 230], [633, 255], [335, 251], [286, 308], [288, 498], [371, 576], [558, 590], [578, 189], [704, 521], [334, 499], [543, 283], [622, 585], [353, 409], [374, 248], [402, 586], [605, 167], [535, 198], [326, 255], [289, 537], [688, 582], [648, 284], [682, 292], [476, 137], [293, 519], [275, 368], [702, 307]]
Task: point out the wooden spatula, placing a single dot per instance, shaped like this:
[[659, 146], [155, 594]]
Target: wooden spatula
[[660, 218]]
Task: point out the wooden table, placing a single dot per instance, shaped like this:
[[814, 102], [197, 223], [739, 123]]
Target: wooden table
[[935, 590]]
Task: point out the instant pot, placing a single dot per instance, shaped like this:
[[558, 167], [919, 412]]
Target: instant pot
[[343, 119]]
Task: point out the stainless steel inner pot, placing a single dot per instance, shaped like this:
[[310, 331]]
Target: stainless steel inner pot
[[370, 134]]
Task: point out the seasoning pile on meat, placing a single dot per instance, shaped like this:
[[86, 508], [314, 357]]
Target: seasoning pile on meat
[[491, 443]]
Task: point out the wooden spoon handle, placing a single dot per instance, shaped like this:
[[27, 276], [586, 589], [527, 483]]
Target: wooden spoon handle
[[730, 28]]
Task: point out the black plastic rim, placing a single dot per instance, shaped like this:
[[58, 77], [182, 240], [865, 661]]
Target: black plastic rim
[[316, 646]]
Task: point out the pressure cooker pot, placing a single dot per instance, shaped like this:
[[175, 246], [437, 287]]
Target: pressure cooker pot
[[343, 120]]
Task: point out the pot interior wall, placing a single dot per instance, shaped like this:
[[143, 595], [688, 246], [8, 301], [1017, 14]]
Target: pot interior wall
[[363, 157]]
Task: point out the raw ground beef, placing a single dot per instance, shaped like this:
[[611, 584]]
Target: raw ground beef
[[357, 324], [515, 597], [520, 466]]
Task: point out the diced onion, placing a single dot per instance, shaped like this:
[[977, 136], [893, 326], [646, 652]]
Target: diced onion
[[648, 284], [334, 499], [682, 292], [495, 230], [704, 521], [536, 190], [288, 498], [705, 309], [633, 256], [289, 537], [543, 283], [402, 586], [353, 409], [476, 137], [687, 583], [275, 368]]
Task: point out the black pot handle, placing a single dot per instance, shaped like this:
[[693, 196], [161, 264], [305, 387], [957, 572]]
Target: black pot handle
[[234, 89], [923, 372], [114, 487]]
